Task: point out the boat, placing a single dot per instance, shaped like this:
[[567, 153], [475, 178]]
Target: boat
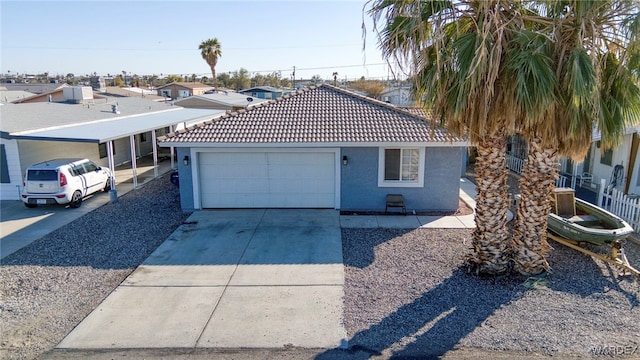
[[582, 222]]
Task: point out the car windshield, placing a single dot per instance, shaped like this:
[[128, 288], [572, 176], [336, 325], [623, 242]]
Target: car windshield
[[42, 175]]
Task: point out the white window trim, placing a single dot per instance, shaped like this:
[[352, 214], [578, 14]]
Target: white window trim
[[399, 183]]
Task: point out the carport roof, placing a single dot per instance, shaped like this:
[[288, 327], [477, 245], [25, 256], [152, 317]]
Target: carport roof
[[93, 122], [316, 116]]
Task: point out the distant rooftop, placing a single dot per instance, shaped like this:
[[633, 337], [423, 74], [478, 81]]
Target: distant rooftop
[[190, 85], [38, 88], [227, 98], [23, 117]]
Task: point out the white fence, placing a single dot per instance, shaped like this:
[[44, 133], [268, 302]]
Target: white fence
[[515, 164], [626, 207]]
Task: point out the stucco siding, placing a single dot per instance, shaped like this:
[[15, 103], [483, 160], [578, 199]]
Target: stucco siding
[[360, 190], [11, 190], [601, 171], [34, 151], [186, 179]]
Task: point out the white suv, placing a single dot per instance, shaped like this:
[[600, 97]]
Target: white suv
[[63, 181]]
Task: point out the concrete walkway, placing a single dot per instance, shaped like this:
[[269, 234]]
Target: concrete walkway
[[230, 279], [467, 195]]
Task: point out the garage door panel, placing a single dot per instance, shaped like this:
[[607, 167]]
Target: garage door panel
[[263, 180]]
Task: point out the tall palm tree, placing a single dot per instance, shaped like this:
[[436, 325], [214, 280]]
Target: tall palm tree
[[494, 68], [455, 49], [210, 51], [588, 45]]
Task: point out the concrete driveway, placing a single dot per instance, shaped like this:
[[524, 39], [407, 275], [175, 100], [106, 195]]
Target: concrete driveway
[[230, 279]]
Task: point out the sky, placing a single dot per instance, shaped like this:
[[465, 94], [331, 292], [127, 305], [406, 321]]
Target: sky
[[162, 38]]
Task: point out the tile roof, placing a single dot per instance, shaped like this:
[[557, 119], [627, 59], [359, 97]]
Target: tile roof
[[325, 114]]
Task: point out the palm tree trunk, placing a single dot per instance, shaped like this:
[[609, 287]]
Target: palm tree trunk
[[490, 238], [213, 73], [529, 242]]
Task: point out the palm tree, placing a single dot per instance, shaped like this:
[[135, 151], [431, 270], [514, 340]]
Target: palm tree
[[587, 47], [210, 51], [455, 49], [494, 68]]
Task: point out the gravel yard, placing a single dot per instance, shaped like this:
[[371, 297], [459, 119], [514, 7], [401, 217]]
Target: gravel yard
[[48, 287], [406, 292]]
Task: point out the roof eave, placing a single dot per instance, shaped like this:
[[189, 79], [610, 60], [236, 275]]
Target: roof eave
[[164, 143]]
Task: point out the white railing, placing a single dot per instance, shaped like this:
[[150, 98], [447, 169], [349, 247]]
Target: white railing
[[515, 164], [562, 181], [616, 202]]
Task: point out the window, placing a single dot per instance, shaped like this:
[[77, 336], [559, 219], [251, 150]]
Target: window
[[401, 167], [143, 137], [77, 170], [102, 149], [4, 167], [42, 175], [606, 157], [90, 166]]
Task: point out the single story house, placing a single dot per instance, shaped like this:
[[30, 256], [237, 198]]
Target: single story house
[[9, 96], [263, 92], [397, 95], [34, 88], [224, 100], [620, 165], [321, 147], [115, 91], [178, 90], [109, 131]]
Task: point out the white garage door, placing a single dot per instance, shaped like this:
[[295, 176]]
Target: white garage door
[[267, 180]]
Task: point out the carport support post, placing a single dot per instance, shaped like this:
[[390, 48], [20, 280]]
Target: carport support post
[[132, 142], [113, 193], [155, 153]]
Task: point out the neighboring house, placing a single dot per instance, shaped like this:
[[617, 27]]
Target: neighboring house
[[263, 92], [599, 164], [397, 95], [34, 88], [53, 95], [35, 132], [179, 90], [115, 91], [318, 148], [8, 96], [220, 100]]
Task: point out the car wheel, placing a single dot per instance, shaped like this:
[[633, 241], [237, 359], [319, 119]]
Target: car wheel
[[76, 200], [107, 186], [30, 206]]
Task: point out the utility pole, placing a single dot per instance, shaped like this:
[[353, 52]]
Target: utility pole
[[294, 77]]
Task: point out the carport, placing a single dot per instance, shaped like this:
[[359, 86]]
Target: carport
[[108, 130]]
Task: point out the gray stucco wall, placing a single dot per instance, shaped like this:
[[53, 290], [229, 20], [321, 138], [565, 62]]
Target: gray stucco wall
[[186, 179], [359, 183]]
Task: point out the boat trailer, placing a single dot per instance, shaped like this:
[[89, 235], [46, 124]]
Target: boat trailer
[[616, 257]]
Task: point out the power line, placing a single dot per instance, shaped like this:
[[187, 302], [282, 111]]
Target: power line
[[318, 68]]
